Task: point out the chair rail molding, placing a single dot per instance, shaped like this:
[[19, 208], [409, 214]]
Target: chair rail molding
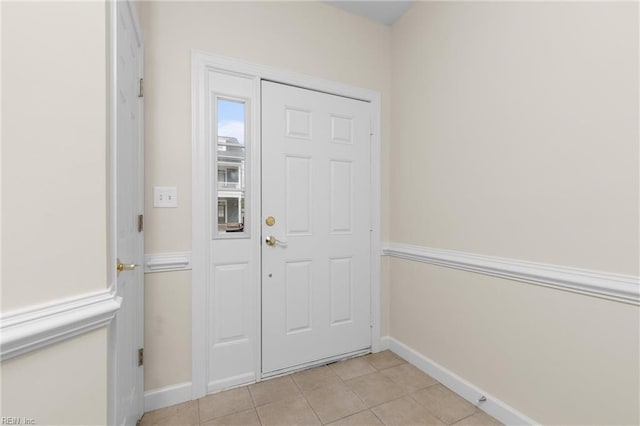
[[39, 326], [605, 285], [165, 262]]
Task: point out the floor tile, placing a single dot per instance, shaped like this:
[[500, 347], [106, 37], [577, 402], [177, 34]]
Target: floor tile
[[273, 390], [478, 419], [330, 404], [405, 411], [243, 418], [396, 392], [444, 404], [351, 368], [293, 411], [409, 378], [375, 388], [384, 359], [181, 414], [315, 378], [225, 403], [363, 418]]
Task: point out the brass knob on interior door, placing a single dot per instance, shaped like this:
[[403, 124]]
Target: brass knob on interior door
[[124, 266]]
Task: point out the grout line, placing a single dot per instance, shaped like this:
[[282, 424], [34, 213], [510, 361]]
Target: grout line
[[376, 416], [257, 416], [459, 420], [348, 415], [305, 398], [310, 406], [253, 401], [296, 383], [255, 408], [356, 394], [386, 402], [476, 409]]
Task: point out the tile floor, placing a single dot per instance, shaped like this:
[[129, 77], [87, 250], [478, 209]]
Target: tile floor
[[376, 389]]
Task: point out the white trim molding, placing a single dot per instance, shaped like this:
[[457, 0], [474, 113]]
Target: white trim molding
[[34, 328], [165, 262], [605, 285], [472, 393], [167, 396]]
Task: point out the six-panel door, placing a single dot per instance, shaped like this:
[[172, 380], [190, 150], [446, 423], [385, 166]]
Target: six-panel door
[[316, 283]]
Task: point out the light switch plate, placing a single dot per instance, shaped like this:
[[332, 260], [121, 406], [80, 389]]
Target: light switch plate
[[165, 196]]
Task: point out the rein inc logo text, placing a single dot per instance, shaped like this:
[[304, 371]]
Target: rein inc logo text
[[17, 421]]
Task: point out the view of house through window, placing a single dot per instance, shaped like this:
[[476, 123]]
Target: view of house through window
[[231, 154]]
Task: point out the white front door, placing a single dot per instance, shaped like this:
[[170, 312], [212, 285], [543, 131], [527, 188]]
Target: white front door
[[316, 185], [128, 323]]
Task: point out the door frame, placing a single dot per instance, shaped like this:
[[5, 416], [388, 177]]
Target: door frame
[[201, 63], [112, 201]]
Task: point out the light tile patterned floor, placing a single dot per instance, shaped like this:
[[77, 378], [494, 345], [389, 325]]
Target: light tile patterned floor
[[377, 389]]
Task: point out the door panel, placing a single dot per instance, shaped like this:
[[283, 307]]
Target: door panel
[[128, 323], [316, 284], [232, 262]]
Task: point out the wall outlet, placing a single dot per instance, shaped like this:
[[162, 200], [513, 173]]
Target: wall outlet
[[165, 196]]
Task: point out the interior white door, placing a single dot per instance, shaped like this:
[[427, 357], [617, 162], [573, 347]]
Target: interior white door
[[316, 184], [128, 323]]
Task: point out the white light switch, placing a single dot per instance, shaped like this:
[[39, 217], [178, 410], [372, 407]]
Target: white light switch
[[165, 196]]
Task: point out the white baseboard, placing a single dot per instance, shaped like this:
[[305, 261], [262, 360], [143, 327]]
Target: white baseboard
[[385, 341], [492, 406], [231, 382], [167, 396]]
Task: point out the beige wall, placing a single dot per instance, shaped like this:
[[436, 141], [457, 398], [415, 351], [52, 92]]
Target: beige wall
[[167, 343], [558, 357], [54, 138], [63, 384], [516, 131], [516, 135], [306, 37]]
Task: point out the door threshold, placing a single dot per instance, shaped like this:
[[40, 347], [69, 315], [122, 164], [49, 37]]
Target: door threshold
[[317, 363]]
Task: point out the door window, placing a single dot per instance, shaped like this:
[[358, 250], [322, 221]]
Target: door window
[[230, 162]]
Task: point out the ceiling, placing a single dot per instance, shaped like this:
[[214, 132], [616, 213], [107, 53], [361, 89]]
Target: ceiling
[[385, 12]]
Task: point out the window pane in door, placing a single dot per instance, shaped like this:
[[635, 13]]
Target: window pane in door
[[231, 166]]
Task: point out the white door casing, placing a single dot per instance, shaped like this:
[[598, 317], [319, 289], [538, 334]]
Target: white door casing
[[126, 331], [207, 255], [316, 284]]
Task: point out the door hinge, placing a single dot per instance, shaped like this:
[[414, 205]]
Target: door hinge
[[140, 357], [140, 223], [141, 88]]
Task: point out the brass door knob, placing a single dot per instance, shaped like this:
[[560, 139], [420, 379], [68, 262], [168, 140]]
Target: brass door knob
[[272, 241], [124, 267]]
